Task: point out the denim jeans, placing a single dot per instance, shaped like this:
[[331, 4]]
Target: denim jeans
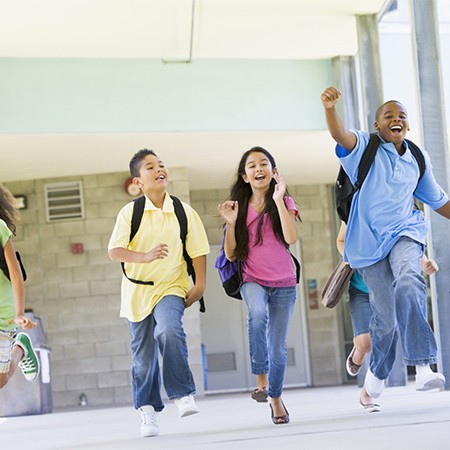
[[269, 316], [163, 330], [360, 311], [399, 296]]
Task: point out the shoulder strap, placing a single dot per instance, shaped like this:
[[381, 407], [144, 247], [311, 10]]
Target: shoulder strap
[[367, 159], [417, 153], [138, 211], [182, 219]]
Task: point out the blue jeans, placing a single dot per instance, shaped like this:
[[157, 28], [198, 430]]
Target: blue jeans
[[399, 297], [162, 329], [360, 311], [269, 316]]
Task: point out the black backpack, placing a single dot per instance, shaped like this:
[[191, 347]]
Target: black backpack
[[4, 266], [344, 189], [138, 211]]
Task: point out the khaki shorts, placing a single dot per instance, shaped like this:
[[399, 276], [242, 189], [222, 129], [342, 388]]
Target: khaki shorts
[[6, 347]]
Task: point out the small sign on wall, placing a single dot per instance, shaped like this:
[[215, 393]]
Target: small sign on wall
[[313, 296]]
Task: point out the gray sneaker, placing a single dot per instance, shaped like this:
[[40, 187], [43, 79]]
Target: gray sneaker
[[29, 364], [149, 421]]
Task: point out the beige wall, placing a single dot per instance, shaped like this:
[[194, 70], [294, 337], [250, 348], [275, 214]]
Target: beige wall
[[77, 296]]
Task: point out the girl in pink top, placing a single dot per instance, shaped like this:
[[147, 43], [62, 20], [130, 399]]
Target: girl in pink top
[[260, 226]]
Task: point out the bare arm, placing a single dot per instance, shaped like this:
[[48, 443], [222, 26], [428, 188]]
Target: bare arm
[[340, 238], [229, 211], [196, 292], [287, 218], [129, 256], [444, 210], [15, 274], [338, 131]]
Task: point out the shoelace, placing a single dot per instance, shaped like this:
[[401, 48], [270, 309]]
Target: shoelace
[[149, 418], [27, 364]]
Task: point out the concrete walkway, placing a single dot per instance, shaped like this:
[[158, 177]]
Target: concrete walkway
[[321, 418]]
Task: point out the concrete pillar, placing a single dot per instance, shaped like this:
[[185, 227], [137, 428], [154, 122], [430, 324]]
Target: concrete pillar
[[344, 77], [370, 66], [425, 36]]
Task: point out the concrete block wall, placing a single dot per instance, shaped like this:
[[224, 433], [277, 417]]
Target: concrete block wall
[[77, 296]]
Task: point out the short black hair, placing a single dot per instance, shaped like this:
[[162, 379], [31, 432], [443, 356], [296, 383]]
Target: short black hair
[[380, 108], [136, 161]]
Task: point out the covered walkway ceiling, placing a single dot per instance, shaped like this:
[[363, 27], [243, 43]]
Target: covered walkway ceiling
[[174, 31]]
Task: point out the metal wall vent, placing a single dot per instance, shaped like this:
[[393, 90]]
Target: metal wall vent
[[64, 201]]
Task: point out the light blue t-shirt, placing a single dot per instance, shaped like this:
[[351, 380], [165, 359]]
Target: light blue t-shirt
[[383, 209]]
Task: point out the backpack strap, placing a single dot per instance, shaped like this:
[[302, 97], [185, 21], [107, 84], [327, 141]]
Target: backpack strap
[[138, 211], [420, 159], [367, 159], [182, 219]]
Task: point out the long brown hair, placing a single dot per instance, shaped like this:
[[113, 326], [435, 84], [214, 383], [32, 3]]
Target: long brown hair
[[242, 191], [8, 208]]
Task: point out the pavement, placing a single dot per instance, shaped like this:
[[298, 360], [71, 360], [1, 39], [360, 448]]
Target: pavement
[[321, 418]]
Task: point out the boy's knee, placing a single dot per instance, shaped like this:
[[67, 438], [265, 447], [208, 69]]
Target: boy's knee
[[168, 331]]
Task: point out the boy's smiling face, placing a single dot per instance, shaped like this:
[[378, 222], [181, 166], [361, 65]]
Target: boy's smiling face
[[392, 123], [153, 175]]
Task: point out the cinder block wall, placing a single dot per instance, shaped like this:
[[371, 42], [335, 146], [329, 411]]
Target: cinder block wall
[[78, 296]]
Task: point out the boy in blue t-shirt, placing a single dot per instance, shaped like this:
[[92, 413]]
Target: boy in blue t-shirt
[[385, 240]]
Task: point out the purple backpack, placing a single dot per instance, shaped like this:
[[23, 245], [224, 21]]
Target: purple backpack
[[230, 273]]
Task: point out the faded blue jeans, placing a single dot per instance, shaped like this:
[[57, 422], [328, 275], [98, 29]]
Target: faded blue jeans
[[399, 296], [269, 317], [163, 330]]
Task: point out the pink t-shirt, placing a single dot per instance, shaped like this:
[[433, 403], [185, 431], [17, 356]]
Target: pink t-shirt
[[268, 263]]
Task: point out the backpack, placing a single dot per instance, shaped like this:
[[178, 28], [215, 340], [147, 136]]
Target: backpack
[[344, 189], [230, 272], [4, 266], [138, 211]]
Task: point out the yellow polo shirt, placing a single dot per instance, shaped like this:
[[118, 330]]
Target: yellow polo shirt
[[169, 274]]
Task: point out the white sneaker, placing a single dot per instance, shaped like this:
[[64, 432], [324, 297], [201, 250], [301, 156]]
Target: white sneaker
[[374, 387], [149, 421], [186, 405], [432, 380]]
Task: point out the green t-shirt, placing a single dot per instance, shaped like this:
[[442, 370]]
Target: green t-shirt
[[7, 304]]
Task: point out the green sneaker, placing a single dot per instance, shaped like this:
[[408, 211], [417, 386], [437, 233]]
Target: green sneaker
[[29, 364]]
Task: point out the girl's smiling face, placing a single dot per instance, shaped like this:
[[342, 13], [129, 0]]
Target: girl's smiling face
[[258, 170]]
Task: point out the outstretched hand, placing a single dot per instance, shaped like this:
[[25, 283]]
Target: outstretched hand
[[229, 211], [279, 188], [330, 96]]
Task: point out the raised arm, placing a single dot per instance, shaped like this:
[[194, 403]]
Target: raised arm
[[229, 212], [287, 218], [344, 137]]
